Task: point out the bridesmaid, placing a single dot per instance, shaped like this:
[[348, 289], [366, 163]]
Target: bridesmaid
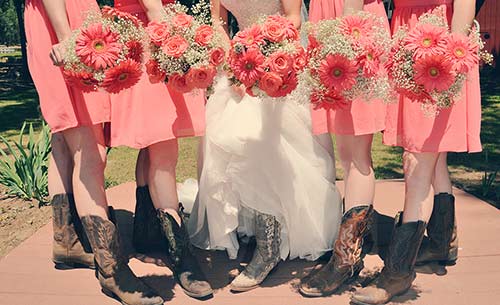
[[78, 154], [353, 127], [426, 140], [151, 117]]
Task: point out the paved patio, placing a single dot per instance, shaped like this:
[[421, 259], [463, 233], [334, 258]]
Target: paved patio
[[28, 277]]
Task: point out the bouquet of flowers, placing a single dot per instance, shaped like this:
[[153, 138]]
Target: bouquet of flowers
[[428, 64], [106, 52], [267, 57], [186, 51], [346, 61]]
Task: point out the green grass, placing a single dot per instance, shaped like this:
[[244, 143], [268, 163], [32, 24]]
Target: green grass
[[18, 102]]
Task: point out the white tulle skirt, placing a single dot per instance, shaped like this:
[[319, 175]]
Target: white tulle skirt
[[260, 156]]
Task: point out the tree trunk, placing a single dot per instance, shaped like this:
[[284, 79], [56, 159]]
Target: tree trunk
[[25, 74]]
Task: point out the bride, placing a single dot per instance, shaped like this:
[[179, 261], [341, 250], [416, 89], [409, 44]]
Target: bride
[[264, 174]]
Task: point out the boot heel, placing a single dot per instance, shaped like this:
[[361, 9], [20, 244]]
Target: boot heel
[[448, 262], [110, 294]]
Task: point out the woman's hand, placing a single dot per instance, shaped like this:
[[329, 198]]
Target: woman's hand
[[153, 9], [57, 54], [352, 6], [292, 9]]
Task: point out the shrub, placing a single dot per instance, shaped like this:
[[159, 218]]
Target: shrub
[[23, 168]]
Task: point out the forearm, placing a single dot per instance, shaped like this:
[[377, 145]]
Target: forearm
[[56, 11], [352, 6], [291, 10], [463, 15], [153, 9], [220, 17]]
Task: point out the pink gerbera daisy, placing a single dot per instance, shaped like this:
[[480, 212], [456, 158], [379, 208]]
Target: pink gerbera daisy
[[98, 47], [250, 37], [328, 100], [370, 59], [84, 81], [108, 11], [426, 39], [337, 71], [434, 73], [461, 52], [135, 50], [126, 74], [249, 66], [356, 26]]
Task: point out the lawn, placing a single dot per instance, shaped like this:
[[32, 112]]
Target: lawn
[[18, 102]]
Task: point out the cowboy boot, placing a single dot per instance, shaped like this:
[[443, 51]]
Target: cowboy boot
[[398, 273], [70, 246], [347, 259], [186, 268], [441, 244], [147, 235], [265, 257], [113, 272]]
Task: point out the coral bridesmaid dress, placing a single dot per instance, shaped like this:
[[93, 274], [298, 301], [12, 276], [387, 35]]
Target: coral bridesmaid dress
[[62, 107], [359, 117], [454, 129], [150, 113]]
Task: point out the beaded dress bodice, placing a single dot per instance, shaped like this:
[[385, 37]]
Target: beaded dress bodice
[[247, 12]]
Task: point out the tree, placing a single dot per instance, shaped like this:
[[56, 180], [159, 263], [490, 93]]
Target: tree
[[9, 30]]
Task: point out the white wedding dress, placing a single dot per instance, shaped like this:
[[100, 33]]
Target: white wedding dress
[[260, 155]]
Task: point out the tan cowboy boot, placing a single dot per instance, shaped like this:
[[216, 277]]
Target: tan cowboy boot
[[113, 272], [347, 259], [265, 257], [441, 244], [70, 246], [186, 268], [398, 273]]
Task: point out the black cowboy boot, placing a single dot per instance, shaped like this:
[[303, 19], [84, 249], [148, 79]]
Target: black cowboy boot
[[398, 273], [347, 259], [441, 244], [70, 247], [186, 269], [113, 272], [265, 257], [147, 235]]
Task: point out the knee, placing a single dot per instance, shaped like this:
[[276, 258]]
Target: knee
[[418, 171], [163, 155]]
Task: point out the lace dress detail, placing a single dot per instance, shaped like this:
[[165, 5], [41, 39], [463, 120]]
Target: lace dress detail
[[246, 12]]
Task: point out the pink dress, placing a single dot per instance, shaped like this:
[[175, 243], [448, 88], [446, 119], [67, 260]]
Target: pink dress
[[359, 117], [455, 129], [62, 107], [150, 113]]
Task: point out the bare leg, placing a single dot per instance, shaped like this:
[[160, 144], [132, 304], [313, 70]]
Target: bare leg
[[162, 182], [441, 181], [419, 169], [88, 173], [60, 167], [142, 168], [355, 157]]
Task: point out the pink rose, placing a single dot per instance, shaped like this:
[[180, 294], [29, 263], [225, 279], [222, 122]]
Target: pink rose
[[175, 46], [179, 83], [154, 72], [280, 62], [273, 31], [300, 60], [203, 35], [217, 56], [202, 77], [158, 32], [270, 82], [182, 20]]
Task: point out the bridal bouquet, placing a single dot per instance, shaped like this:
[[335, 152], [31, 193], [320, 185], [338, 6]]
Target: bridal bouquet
[[428, 64], [346, 61], [186, 51], [267, 57], [106, 52]]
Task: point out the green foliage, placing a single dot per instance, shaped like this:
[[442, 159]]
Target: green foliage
[[105, 2], [487, 183], [9, 28], [23, 168]]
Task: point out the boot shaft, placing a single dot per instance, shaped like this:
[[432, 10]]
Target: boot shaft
[[441, 229], [176, 234], [267, 235]]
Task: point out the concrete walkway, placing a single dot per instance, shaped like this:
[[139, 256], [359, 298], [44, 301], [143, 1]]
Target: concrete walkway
[[28, 277]]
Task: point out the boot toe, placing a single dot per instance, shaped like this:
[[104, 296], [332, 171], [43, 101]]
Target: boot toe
[[243, 283], [370, 296]]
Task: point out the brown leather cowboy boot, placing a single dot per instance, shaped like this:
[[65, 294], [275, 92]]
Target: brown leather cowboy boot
[[441, 244], [113, 272], [398, 273], [186, 268], [347, 259], [70, 247], [266, 255], [147, 235]]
